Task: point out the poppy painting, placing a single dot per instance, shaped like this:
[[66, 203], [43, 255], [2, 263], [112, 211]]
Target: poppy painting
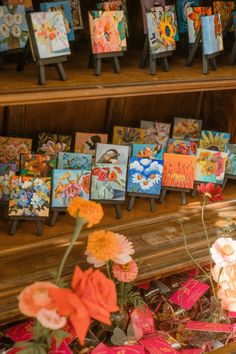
[[125, 135], [194, 15], [187, 128], [212, 34], [6, 172], [37, 165], [85, 143], [231, 162], [213, 140]]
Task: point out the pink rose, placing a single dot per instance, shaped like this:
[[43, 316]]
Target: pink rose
[[51, 319], [223, 251], [226, 277]]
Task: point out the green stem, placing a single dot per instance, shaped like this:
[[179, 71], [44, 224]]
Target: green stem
[[78, 227], [108, 270], [123, 293]]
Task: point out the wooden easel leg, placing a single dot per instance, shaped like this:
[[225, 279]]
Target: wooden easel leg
[[224, 183], [144, 56], [162, 196], [232, 55], [116, 65], [213, 64], [5, 213], [183, 198], [41, 74], [21, 61], [131, 203], [98, 66], [60, 71], [39, 228], [13, 227], [194, 191], [118, 211], [165, 64], [152, 205], [53, 218], [204, 64], [91, 62], [153, 66]]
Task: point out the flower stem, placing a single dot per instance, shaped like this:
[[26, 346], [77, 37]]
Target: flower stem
[[108, 270], [78, 227]]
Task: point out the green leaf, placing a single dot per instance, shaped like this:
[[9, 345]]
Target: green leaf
[[59, 335]]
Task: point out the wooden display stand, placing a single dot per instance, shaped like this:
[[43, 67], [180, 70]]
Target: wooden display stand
[[153, 61], [21, 53], [57, 62], [97, 59], [151, 197], [4, 206], [15, 220], [228, 177], [182, 191]]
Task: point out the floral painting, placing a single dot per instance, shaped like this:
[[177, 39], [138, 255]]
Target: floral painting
[[224, 8], [183, 147], [11, 148], [182, 6], [178, 171], [210, 166], [49, 34], [74, 161], [53, 143], [86, 142], [29, 196], [110, 153], [68, 184], [7, 170], [171, 10], [194, 15], [107, 31], [231, 162], [27, 3], [145, 175], [155, 132], [37, 165], [213, 140], [187, 128], [108, 182], [125, 135], [212, 34], [151, 151], [14, 31]]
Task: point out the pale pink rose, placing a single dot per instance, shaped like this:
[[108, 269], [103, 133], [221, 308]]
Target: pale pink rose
[[51, 319], [223, 251], [228, 299], [106, 37], [226, 278], [125, 272]]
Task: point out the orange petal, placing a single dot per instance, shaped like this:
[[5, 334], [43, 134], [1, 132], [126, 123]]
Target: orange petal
[[81, 326]]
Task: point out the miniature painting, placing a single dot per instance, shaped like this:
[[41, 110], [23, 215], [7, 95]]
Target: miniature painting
[[29, 196], [14, 31], [76, 14], [125, 135], [107, 31], [172, 11], [224, 9], [53, 143], [183, 147], [231, 162], [212, 34], [74, 161], [49, 34], [63, 7], [108, 182], [187, 129], [213, 140], [145, 175], [37, 165], [211, 166], [109, 153], [151, 151], [155, 132], [182, 6], [194, 15], [85, 143], [67, 184], [148, 4], [11, 148], [7, 170], [178, 171], [27, 3]]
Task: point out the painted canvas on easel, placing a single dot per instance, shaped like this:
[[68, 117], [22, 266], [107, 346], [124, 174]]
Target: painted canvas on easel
[[85, 143], [74, 161], [126, 135], [37, 165], [110, 153], [182, 147], [49, 143], [212, 34], [145, 175], [67, 184], [194, 21], [151, 151], [29, 196], [26, 3], [182, 6], [178, 171], [211, 166], [108, 182], [231, 162], [14, 31], [224, 9], [213, 140], [107, 31], [7, 170], [76, 14], [155, 132], [11, 148], [186, 129]]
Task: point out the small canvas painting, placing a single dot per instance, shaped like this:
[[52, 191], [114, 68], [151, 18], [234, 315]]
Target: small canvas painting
[[187, 128], [231, 162], [29, 196], [85, 143], [7, 170], [148, 4], [74, 161], [179, 171], [107, 31], [53, 143], [224, 9], [155, 132], [182, 6], [194, 15], [108, 182], [37, 165], [76, 14], [125, 135], [151, 151], [211, 166], [110, 153], [11, 148], [14, 31], [145, 176], [67, 184], [213, 140], [212, 34], [183, 147], [27, 3]]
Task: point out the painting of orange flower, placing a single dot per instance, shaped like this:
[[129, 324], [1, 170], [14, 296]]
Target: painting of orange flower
[[194, 15], [224, 9]]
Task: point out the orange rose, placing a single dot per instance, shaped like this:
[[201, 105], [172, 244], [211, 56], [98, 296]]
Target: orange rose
[[112, 176]]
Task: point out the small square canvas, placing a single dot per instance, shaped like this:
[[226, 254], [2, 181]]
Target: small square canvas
[[53, 143], [7, 170], [48, 34], [108, 182], [211, 166], [155, 132], [194, 21], [85, 143], [148, 4], [67, 184], [183, 147], [182, 6], [26, 3], [76, 14], [186, 128], [14, 31], [213, 140], [11, 148], [63, 7], [125, 135], [231, 162], [145, 175], [224, 9], [171, 9], [179, 171], [212, 34], [29, 196], [151, 151], [110, 153], [74, 161], [103, 22], [37, 165]]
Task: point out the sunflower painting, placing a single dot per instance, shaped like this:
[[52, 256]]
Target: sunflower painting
[[231, 162], [212, 34], [213, 140], [194, 15]]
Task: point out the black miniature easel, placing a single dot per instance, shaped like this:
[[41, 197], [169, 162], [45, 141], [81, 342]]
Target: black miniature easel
[[228, 177], [21, 53], [151, 197], [182, 191], [15, 220], [233, 52], [5, 205], [153, 61], [57, 62], [97, 61]]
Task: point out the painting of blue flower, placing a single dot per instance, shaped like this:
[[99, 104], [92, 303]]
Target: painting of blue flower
[[74, 161]]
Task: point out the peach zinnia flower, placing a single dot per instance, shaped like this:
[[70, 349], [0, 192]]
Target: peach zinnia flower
[[88, 210], [226, 278], [125, 272], [51, 319], [223, 251]]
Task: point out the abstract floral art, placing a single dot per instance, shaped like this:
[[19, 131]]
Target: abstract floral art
[[187, 128], [224, 8], [155, 132], [183, 147], [6, 172], [53, 143], [231, 162], [37, 165], [11, 148], [125, 135], [151, 151], [194, 15], [74, 161]]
